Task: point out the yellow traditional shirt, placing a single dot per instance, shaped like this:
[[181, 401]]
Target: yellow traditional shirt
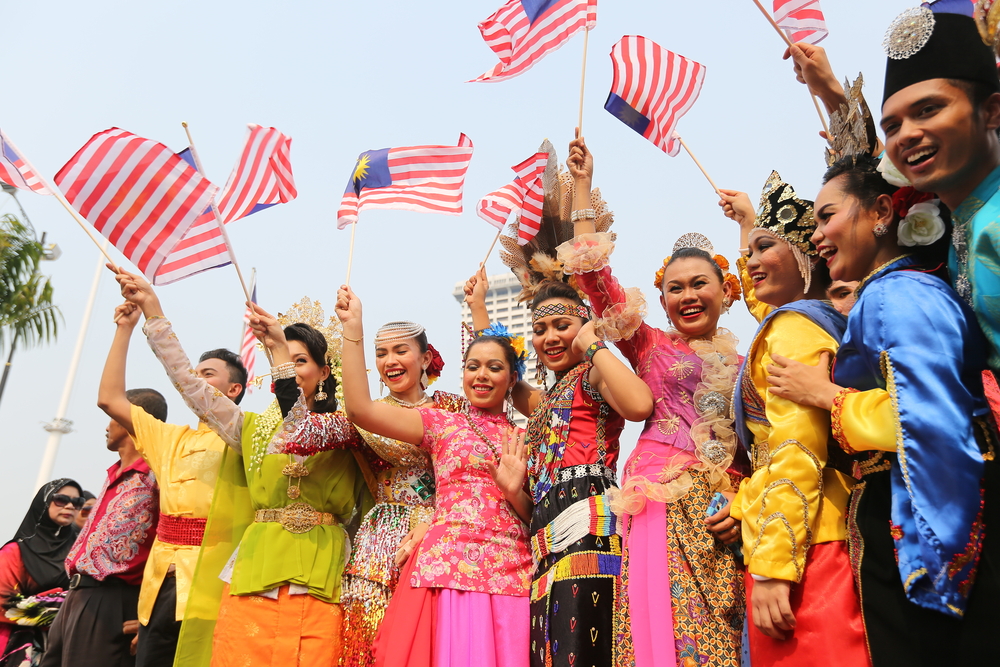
[[186, 464], [792, 500]]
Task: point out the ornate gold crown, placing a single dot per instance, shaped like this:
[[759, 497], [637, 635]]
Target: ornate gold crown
[[310, 312]]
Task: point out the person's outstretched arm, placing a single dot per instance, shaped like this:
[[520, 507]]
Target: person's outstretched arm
[[111, 393]]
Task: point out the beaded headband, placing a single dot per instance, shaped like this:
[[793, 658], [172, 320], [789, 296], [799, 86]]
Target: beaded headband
[[398, 331], [560, 309]]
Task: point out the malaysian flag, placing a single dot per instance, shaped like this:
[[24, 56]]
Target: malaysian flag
[[261, 178], [428, 179], [136, 192], [524, 196], [15, 170], [802, 20], [652, 89], [248, 349], [522, 32]]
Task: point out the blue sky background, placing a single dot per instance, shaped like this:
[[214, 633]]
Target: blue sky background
[[341, 78]]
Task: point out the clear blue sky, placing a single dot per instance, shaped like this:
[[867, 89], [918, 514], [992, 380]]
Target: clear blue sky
[[341, 78]]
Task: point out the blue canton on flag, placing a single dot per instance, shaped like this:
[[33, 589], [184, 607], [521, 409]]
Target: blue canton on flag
[[535, 8], [370, 171]]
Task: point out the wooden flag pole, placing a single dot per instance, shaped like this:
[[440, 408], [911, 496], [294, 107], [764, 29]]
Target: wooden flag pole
[[350, 254], [711, 182], [57, 193], [788, 42], [492, 245], [583, 81], [218, 218]]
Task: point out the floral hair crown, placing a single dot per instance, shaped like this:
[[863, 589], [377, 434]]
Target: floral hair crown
[[695, 240], [498, 330]]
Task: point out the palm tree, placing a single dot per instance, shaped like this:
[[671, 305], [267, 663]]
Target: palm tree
[[27, 314]]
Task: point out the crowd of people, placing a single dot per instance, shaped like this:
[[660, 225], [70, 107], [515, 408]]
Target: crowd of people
[[824, 494]]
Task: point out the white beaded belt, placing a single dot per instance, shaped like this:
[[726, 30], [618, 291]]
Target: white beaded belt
[[587, 470], [296, 518]]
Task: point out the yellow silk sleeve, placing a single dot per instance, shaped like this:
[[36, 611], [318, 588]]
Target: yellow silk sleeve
[[864, 421], [782, 501], [758, 309]]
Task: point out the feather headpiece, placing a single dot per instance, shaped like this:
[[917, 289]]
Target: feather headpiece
[[852, 127], [537, 261]]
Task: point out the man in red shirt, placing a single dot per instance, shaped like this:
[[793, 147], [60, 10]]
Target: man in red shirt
[[106, 562]]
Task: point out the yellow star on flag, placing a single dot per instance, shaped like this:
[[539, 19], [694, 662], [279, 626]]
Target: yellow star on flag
[[361, 168]]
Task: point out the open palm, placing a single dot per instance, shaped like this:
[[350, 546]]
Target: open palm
[[509, 473]]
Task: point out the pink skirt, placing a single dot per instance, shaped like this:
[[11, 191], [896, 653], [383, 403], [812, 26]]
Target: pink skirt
[[443, 627]]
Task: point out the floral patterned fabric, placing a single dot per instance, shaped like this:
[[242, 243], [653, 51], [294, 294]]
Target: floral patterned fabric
[[118, 535], [476, 541]]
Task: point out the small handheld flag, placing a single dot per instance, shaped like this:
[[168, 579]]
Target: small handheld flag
[[522, 32], [428, 179], [652, 89], [136, 192], [248, 347], [15, 170], [261, 178], [523, 197], [802, 20]]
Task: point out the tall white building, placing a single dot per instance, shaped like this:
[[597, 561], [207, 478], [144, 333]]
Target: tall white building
[[502, 305]]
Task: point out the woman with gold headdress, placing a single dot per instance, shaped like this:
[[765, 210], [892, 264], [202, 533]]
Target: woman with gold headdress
[[282, 513], [907, 400], [801, 595], [572, 436], [682, 596], [401, 479]]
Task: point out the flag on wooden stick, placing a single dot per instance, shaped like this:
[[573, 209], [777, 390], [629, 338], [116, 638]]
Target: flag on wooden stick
[[652, 89], [522, 32], [136, 192], [248, 349], [15, 170], [802, 20], [523, 197], [428, 179], [261, 179]]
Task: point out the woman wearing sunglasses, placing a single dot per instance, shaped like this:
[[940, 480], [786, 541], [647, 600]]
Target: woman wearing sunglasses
[[89, 500], [32, 563]]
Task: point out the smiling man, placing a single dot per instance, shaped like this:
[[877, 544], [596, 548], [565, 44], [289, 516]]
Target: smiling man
[[940, 115]]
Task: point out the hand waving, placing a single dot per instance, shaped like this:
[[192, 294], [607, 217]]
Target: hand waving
[[513, 466]]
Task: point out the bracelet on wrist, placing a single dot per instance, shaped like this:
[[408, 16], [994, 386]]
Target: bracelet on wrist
[[593, 349], [354, 340], [583, 214], [155, 317], [285, 371]]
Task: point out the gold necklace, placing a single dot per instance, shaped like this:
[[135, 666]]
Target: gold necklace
[[857, 290]]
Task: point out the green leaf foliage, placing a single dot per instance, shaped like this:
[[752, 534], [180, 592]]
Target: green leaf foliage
[[27, 313]]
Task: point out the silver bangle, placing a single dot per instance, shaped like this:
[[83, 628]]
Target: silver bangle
[[285, 371], [583, 214]]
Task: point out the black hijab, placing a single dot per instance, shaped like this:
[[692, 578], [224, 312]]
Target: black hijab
[[44, 543]]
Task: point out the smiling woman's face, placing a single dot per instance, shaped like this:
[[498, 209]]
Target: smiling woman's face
[[773, 270], [693, 296], [553, 335]]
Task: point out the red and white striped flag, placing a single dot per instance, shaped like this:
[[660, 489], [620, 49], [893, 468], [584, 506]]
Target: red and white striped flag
[[522, 32], [428, 179], [652, 89], [136, 192], [802, 20], [261, 178], [524, 196], [15, 170], [248, 349]]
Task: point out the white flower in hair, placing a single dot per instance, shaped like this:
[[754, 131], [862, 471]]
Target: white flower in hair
[[922, 225], [891, 174]]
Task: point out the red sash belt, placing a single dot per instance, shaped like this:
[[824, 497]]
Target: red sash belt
[[182, 530]]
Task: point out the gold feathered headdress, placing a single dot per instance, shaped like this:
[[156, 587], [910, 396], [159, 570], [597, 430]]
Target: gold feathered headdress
[[852, 127], [536, 261]]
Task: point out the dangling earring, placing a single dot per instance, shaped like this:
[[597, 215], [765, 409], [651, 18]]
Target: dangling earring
[[726, 304], [320, 394], [510, 405], [424, 380], [880, 229], [541, 372], [381, 386]]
